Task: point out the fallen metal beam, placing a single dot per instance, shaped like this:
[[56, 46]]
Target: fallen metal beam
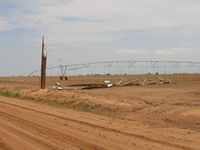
[[129, 83]]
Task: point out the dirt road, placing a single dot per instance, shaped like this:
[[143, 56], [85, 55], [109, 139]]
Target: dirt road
[[28, 125]]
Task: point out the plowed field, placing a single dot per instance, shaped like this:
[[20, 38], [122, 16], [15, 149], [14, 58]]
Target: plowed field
[[132, 117]]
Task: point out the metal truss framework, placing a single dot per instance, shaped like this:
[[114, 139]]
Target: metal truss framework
[[131, 63], [175, 64], [128, 67], [154, 64]]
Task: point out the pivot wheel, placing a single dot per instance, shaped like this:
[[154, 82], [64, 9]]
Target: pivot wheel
[[66, 78], [61, 77]]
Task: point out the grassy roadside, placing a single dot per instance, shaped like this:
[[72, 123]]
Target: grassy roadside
[[10, 94], [81, 106], [2, 81], [72, 101]]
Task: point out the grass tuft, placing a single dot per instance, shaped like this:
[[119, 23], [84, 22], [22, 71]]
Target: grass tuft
[[40, 96], [80, 106], [4, 81], [54, 104], [9, 94], [121, 100], [84, 107]]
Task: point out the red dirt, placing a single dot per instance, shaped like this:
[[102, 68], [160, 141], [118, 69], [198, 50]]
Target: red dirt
[[133, 117]]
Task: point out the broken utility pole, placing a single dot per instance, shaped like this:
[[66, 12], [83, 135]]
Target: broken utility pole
[[43, 66]]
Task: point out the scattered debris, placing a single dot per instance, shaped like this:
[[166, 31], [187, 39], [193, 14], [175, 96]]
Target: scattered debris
[[130, 83], [106, 82], [96, 105], [109, 85], [59, 87], [70, 88], [144, 82], [151, 82], [161, 79], [170, 82], [53, 87], [165, 81], [160, 83], [91, 86], [122, 79]]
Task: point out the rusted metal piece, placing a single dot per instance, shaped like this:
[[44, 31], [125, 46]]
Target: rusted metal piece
[[170, 82], [91, 86], [70, 88], [151, 81]]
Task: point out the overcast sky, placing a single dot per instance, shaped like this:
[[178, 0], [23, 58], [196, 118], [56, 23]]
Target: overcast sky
[[96, 30]]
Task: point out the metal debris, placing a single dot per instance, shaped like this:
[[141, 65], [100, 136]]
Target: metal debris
[[170, 82], [96, 105], [122, 79], [161, 79], [70, 88], [59, 87], [144, 82], [151, 82], [106, 82], [109, 85], [53, 87], [130, 83], [91, 86]]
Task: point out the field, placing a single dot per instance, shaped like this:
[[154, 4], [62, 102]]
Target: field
[[165, 116]]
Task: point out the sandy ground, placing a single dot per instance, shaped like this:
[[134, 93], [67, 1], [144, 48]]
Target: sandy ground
[[135, 117]]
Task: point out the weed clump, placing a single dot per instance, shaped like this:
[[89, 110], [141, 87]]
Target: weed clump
[[54, 104], [80, 106], [9, 94], [4, 81]]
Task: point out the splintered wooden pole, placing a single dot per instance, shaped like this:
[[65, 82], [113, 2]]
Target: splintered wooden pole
[[43, 67]]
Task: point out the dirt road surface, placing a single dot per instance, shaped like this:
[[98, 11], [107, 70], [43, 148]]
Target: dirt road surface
[[28, 125]]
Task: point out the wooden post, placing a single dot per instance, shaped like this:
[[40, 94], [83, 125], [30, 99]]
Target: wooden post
[[43, 66]]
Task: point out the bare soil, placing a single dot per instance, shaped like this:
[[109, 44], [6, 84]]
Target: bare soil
[[132, 117]]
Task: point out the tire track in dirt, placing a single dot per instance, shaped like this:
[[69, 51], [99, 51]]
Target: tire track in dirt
[[38, 134], [114, 131], [64, 136], [16, 137]]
